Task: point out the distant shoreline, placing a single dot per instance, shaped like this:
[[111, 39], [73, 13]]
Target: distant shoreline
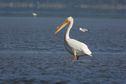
[[94, 13], [80, 8]]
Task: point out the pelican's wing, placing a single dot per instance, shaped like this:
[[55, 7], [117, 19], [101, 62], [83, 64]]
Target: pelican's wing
[[80, 47]]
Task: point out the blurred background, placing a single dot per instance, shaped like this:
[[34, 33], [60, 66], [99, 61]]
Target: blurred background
[[81, 8], [30, 52]]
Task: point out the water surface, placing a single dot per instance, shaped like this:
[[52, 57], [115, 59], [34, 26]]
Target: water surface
[[30, 52]]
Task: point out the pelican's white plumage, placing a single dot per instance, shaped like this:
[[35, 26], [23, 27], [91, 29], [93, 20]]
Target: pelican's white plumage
[[77, 48]]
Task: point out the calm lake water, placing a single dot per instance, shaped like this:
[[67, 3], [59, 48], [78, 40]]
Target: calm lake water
[[30, 52]]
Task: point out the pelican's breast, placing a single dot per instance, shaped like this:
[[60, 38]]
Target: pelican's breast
[[67, 47]]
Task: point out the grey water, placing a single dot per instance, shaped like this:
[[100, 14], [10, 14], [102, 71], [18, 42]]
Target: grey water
[[30, 52]]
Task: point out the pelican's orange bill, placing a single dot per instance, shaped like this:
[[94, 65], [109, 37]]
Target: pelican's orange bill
[[63, 25]]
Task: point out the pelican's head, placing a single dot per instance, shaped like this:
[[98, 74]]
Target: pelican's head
[[64, 24], [70, 18]]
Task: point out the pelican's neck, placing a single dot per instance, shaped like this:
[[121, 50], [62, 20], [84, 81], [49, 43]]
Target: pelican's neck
[[67, 35]]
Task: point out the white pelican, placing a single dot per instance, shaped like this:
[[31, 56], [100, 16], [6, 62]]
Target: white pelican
[[76, 48]]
